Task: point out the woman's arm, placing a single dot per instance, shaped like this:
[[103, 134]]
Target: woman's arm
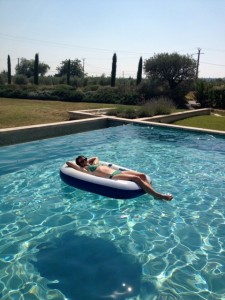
[[93, 160], [75, 166]]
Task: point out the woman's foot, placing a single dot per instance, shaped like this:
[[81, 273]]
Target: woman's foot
[[167, 197]]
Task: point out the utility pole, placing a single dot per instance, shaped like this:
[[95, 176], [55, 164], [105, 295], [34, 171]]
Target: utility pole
[[198, 59]]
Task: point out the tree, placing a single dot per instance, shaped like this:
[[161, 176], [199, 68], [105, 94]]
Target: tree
[[9, 70], [139, 72], [113, 73], [36, 68], [3, 77], [68, 72], [173, 68], [76, 68], [26, 68]]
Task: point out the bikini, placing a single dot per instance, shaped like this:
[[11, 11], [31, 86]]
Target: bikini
[[92, 168], [117, 172]]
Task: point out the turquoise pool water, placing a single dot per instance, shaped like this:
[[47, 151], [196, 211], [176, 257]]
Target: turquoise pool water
[[57, 242]]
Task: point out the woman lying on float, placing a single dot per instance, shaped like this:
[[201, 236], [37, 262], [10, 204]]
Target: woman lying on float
[[93, 166]]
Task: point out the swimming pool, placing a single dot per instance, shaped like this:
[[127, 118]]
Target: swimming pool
[[59, 242]]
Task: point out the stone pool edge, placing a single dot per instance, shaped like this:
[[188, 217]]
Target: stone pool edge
[[16, 135]]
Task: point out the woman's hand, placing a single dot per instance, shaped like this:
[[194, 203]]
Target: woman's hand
[[93, 160]]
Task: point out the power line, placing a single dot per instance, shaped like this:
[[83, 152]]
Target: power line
[[65, 44], [212, 64]]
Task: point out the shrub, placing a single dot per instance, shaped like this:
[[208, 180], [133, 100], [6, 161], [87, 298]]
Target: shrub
[[42, 95], [78, 82], [3, 77], [152, 88], [48, 80], [103, 95], [20, 79], [108, 95], [89, 96], [76, 96], [114, 95], [210, 94], [91, 88], [13, 91], [129, 113], [157, 106], [178, 94], [157, 88]]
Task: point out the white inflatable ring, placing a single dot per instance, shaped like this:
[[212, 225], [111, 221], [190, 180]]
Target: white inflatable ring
[[118, 189]]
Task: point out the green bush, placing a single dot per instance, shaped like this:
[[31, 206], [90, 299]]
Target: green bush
[[20, 79], [67, 93], [108, 95], [152, 89], [114, 95], [210, 94], [89, 96], [157, 88], [3, 77], [103, 95], [128, 113], [59, 92], [42, 95], [91, 88], [76, 96], [131, 99], [156, 106], [13, 91], [178, 94]]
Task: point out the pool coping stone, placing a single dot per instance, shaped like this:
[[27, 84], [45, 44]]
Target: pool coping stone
[[16, 135]]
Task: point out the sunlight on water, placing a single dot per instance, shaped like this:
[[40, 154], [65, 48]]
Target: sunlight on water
[[56, 239]]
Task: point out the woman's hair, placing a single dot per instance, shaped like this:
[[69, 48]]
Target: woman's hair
[[78, 159]]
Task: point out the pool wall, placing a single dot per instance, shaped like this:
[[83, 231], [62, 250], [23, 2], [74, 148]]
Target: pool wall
[[24, 134]]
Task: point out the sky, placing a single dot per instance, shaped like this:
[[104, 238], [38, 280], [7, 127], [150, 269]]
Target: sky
[[93, 30]]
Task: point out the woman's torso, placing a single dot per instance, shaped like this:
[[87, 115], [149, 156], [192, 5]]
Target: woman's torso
[[99, 170]]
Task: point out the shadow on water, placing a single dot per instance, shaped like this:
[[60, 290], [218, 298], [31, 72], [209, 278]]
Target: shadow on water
[[88, 268]]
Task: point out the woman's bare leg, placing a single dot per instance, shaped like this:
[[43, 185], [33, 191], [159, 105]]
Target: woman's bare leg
[[140, 175], [142, 181]]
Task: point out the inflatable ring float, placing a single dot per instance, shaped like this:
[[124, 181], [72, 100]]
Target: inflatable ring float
[[113, 188]]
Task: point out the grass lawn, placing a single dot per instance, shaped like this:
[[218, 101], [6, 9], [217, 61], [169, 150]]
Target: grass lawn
[[206, 122], [20, 112]]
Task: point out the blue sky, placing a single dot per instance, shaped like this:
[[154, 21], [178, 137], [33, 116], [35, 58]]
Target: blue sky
[[92, 30]]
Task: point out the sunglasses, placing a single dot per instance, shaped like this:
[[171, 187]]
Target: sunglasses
[[83, 160]]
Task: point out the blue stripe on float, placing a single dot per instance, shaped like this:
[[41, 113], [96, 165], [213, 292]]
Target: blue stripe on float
[[100, 189]]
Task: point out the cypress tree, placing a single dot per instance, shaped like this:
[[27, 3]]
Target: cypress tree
[[36, 69], [113, 74], [139, 72], [9, 70], [68, 72]]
